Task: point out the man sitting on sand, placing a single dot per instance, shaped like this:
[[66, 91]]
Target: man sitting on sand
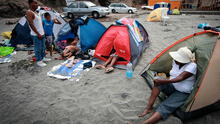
[[177, 88]]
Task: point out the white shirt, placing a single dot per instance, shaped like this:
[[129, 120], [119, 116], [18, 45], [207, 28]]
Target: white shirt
[[38, 24], [186, 85]]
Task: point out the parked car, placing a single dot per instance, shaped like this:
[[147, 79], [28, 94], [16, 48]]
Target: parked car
[[121, 8], [82, 8], [68, 2]]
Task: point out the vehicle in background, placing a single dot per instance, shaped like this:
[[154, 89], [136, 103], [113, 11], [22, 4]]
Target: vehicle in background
[[85, 8], [68, 2], [121, 8]]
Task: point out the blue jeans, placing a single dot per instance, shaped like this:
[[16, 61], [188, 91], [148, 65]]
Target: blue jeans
[[174, 100], [39, 47]]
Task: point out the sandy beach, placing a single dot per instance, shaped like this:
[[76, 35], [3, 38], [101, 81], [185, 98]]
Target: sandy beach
[[29, 96]]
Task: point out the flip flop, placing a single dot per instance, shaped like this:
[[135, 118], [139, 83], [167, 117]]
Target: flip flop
[[109, 69]]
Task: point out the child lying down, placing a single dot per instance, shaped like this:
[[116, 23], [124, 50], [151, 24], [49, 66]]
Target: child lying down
[[70, 50]]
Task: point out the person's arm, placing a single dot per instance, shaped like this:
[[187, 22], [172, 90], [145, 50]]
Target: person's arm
[[184, 75], [30, 19], [56, 21]]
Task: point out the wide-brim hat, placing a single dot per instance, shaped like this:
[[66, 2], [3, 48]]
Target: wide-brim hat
[[182, 55]]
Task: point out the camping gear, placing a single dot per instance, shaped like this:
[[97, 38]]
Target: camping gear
[[4, 51], [6, 35], [159, 14], [155, 16], [202, 25], [129, 72], [21, 32], [217, 28], [63, 71], [164, 16], [128, 38], [7, 59], [89, 32], [206, 46], [175, 12]]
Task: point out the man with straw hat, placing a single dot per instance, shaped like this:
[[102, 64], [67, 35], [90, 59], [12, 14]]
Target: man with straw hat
[[177, 88]]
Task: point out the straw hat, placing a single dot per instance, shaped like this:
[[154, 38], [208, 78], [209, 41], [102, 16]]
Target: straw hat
[[182, 55]]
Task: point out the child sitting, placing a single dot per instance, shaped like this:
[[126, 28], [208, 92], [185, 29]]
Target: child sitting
[[108, 65], [48, 29]]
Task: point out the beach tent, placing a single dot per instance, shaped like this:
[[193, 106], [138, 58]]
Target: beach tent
[[155, 15], [206, 47], [88, 30], [128, 38], [21, 32]]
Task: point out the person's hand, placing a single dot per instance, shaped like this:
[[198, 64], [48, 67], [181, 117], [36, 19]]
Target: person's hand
[[39, 36], [156, 82]]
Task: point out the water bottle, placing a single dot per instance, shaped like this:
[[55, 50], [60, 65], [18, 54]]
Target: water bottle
[[129, 72]]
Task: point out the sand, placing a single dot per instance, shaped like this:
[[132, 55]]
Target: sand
[[29, 96]]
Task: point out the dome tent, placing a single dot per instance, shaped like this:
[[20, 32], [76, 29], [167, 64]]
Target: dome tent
[[128, 38], [206, 46]]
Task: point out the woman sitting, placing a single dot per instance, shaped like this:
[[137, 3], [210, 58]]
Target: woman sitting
[[177, 88]]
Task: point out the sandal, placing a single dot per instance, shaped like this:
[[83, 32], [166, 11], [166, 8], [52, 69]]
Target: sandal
[[109, 69]]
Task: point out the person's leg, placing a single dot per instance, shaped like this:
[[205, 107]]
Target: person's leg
[[43, 48], [153, 119], [100, 66], [108, 61], [37, 48], [154, 94], [50, 42], [113, 61], [110, 67]]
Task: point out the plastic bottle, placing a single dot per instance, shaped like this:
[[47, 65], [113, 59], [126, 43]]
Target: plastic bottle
[[129, 72]]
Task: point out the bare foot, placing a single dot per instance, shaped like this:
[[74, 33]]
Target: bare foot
[[109, 69], [146, 111], [100, 67]]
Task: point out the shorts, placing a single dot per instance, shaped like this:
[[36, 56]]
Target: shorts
[[114, 55], [49, 41], [174, 100]]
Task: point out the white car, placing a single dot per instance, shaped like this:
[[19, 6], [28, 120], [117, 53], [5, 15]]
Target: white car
[[121, 8], [85, 8]]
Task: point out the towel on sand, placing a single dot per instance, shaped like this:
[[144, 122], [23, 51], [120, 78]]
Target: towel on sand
[[63, 71]]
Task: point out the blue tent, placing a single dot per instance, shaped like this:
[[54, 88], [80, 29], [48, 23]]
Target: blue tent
[[21, 34], [90, 33], [88, 30]]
